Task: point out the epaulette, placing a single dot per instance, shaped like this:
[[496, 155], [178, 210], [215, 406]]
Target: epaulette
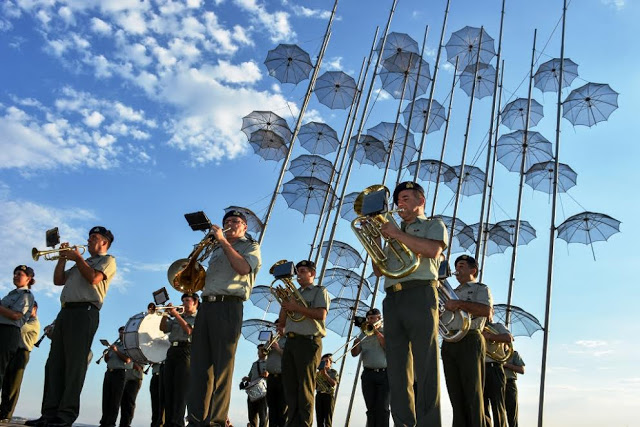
[[482, 284]]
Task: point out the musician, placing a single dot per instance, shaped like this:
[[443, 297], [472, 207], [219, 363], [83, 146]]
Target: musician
[[375, 383], [512, 367], [275, 390], [114, 380], [85, 287], [155, 390], [233, 266], [494, 379], [410, 312], [464, 360], [258, 408], [326, 381], [301, 355], [177, 366], [15, 310], [29, 333], [132, 383]]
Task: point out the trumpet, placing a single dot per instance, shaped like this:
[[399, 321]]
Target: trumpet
[[48, 254], [153, 309], [497, 350], [274, 339]]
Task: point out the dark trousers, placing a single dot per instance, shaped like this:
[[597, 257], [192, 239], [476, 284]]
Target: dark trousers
[[10, 339], [300, 360], [112, 391], [67, 363], [511, 402], [257, 412], [324, 409], [128, 401], [157, 406], [494, 385], [12, 382], [175, 385], [214, 342], [276, 401], [464, 372], [375, 389], [410, 329]]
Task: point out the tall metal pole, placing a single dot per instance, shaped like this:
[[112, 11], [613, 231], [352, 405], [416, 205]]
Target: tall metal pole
[[552, 228]]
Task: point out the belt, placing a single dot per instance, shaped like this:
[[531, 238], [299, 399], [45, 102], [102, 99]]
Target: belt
[[494, 364], [405, 286], [293, 335], [87, 305], [274, 375], [220, 298], [181, 344], [511, 379], [375, 369], [115, 369]]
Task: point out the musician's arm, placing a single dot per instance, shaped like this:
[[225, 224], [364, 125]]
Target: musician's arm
[[515, 368], [474, 308], [356, 349]]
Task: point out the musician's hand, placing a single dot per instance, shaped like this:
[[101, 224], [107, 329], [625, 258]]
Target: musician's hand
[[217, 233], [452, 305], [172, 311], [48, 331], [275, 345], [265, 374], [389, 230], [245, 378], [291, 305], [113, 347]]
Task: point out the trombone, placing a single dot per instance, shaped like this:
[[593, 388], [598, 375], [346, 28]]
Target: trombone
[[274, 339], [48, 254]]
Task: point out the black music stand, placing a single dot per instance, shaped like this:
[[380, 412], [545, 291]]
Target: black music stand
[[375, 203], [198, 221], [285, 270], [53, 237]]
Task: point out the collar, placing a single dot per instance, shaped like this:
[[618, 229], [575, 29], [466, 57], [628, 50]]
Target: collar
[[23, 289], [419, 218]]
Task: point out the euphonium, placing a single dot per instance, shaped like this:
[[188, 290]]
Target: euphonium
[[368, 329], [498, 351], [47, 254], [288, 292], [451, 318], [367, 229]]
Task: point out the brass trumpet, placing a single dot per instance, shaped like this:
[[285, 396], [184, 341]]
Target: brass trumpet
[[368, 329], [153, 309], [498, 351], [274, 339], [48, 253]]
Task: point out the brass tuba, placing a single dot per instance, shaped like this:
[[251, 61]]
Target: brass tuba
[[367, 229], [287, 292], [498, 351], [451, 318]]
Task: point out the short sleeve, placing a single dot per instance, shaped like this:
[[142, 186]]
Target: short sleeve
[[107, 266], [438, 231]]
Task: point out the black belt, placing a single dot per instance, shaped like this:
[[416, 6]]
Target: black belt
[[510, 379], [115, 369], [181, 344], [274, 375], [220, 298], [375, 369], [293, 335], [493, 364], [405, 286], [87, 305]]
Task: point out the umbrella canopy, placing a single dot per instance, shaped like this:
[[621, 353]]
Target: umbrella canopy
[[341, 313], [370, 151], [472, 181], [288, 63], [464, 44], [509, 150], [540, 177], [523, 324], [335, 89], [341, 282], [262, 298], [588, 227], [514, 114], [396, 43], [417, 110], [265, 120], [456, 246], [590, 104], [305, 194], [384, 132], [251, 329], [498, 242], [526, 232], [548, 75], [429, 170], [342, 254], [347, 211], [318, 138], [401, 71], [268, 145], [254, 224], [311, 165], [485, 80]]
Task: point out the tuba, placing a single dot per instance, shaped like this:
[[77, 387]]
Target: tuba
[[498, 351], [371, 208], [283, 270], [451, 318]]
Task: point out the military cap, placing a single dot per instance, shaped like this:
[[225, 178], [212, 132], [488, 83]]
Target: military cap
[[373, 312], [193, 295], [407, 185], [27, 270], [107, 234], [471, 261], [236, 214], [306, 263]]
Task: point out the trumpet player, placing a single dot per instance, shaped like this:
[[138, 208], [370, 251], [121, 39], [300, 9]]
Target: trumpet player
[[326, 380], [231, 274], [464, 360], [114, 380], [375, 383], [301, 356], [275, 390], [494, 379], [410, 312]]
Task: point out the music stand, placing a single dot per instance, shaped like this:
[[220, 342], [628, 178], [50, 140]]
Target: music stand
[[53, 237], [375, 203], [264, 336], [198, 221], [284, 270], [160, 296]]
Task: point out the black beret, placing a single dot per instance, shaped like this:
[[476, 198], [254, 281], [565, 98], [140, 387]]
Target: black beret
[[306, 263], [194, 296], [107, 234], [373, 312], [407, 185], [234, 213], [471, 261], [27, 270]]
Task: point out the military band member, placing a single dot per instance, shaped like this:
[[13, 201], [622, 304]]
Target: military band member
[[275, 390], [257, 410], [326, 380], [85, 287], [464, 360], [233, 266], [301, 356], [177, 366], [132, 382], [155, 392], [114, 380], [375, 383], [512, 367], [410, 312], [494, 379]]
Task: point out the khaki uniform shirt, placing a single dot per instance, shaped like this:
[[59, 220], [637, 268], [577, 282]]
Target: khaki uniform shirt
[[274, 360], [257, 368], [114, 361], [501, 329], [77, 289], [222, 279], [433, 229], [20, 300], [373, 355], [176, 333], [30, 332], [316, 297], [515, 359], [322, 386], [473, 292]]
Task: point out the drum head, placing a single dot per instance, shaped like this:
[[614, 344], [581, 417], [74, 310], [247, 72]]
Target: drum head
[[143, 339]]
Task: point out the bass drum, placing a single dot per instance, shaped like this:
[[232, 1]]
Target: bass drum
[[143, 340]]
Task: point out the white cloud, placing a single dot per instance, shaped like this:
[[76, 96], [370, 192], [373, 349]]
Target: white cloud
[[617, 4], [310, 13], [94, 119], [276, 23], [334, 64], [132, 22], [246, 72], [100, 27], [67, 15]]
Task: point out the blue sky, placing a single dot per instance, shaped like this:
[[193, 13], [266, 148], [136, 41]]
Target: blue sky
[[127, 113]]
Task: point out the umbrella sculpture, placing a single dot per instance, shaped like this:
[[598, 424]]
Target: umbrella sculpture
[[526, 233], [341, 313], [463, 44], [429, 170], [472, 182], [311, 165], [540, 177], [318, 138], [396, 43], [335, 89], [370, 151], [342, 254], [498, 242], [548, 75], [288, 63], [254, 224], [251, 329], [485, 80], [509, 150], [268, 145], [347, 211], [588, 227], [590, 104], [401, 72], [262, 298], [265, 120], [514, 114], [305, 194], [418, 112], [523, 324], [341, 282], [384, 131], [456, 247]]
